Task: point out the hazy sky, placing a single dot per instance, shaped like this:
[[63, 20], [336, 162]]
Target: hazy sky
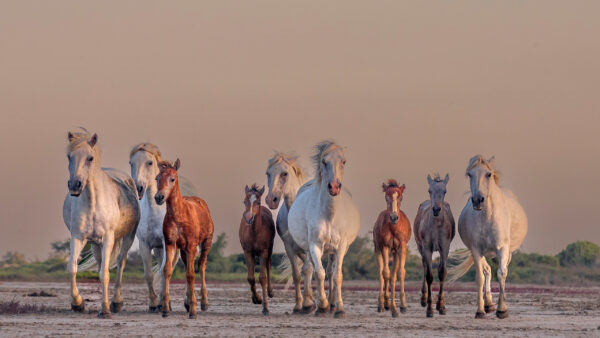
[[409, 87]]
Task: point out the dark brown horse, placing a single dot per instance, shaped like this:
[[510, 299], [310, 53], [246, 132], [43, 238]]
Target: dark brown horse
[[434, 231], [257, 232], [390, 235], [187, 225]]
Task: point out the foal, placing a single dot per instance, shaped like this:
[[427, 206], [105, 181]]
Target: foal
[[257, 232], [390, 234], [187, 224], [434, 230]]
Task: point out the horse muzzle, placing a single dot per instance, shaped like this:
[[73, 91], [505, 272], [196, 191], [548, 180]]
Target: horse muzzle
[[334, 189], [272, 201], [249, 219], [140, 191], [159, 198], [477, 202], [436, 211], [75, 187]]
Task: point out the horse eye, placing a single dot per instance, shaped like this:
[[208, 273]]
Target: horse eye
[[430, 191], [324, 163], [172, 180], [344, 162], [91, 158], [444, 191], [488, 175], [469, 175], [69, 157], [284, 174], [149, 163]]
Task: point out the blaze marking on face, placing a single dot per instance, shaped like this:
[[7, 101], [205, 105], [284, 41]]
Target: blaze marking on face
[[395, 202], [252, 199]]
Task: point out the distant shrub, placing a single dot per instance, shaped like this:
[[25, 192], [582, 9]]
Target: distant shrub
[[580, 253]]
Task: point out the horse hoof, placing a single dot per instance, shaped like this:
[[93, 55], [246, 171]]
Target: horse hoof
[[192, 316], [442, 311], [380, 309], [78, 308], [265, 312], [270, 293], [395, 313], [429, 313], [321, 312], [479, 315], [331, 308], [103, 315], [489, 308], [339, 314], [297, 311], [423, 302], [308, 309], [502, 314], [203, 307], [116, 307], [403, 309], [187, 307], [165, 314], [153, 309], [256, 300], [159, 307], [386, 306]]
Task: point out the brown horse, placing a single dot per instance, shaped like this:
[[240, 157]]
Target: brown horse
[[257, 232], [187, 224], [434, 231], [390, 234]]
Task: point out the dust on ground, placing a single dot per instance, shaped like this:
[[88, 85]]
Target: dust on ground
[[534, 311]]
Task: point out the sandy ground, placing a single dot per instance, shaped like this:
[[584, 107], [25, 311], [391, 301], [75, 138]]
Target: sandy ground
[[534, 311]]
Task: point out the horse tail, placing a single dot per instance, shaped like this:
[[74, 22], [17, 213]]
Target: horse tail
[[465, 258], [157, 269], [287, 270], [88, 261]]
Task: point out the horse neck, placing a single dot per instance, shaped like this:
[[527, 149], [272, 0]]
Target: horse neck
[[93, 188], [149, 195], [292, 191], [494, 200], [175, 200]]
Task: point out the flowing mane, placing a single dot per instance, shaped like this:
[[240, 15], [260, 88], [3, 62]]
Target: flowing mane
[[479, 160], [147, 147], [78, 139], [322, 149], [291, 160], [438, 178], [254, 188]]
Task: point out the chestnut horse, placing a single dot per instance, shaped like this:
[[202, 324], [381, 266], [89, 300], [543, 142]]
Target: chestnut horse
[[187, 224], [257, 232], [390, 235], [434, 231]]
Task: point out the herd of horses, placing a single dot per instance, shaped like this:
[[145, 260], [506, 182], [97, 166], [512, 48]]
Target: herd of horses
[[317, 219]]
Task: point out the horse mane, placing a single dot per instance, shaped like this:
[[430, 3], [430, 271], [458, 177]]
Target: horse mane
[[147, 147], [480, 160], [392, 183], [291, 160], [254, 188], [78, 139], [437, 178], [322, 149]]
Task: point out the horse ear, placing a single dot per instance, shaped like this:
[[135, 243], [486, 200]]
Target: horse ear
[[429, 179], [402, 187], [70, 136], [384, 187], [163, 165], [446, 179], [246, 189], [177, 164], [93, 140], [262, 190], [491, 160]]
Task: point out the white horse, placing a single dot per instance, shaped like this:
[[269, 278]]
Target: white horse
[[324, 219], [144, 159], [285, 177], [493, 223], [101, 207]]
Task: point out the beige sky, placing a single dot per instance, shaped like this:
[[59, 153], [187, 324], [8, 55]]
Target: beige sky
[[408, 87]]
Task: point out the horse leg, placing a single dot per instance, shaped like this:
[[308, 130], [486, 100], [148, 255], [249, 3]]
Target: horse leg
[[308, 304], [268, 266], [202, 269], [167, 272], [184, 258], [77, 245], [97, 252], [190, 276], [262, 277], [442, 272], [424, 286], [429, 278], [386, 276], [251, 264], [402, 276], [316, 252], [504, 256], [162, 276], [380, 306], [487, 295], [331, 298], [338, 276], [107, 248], [478, 260], [146, 254], [295, 277], [117, 303], [395, 269]]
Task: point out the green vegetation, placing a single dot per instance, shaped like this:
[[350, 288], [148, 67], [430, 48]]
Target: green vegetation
[[578, 263]]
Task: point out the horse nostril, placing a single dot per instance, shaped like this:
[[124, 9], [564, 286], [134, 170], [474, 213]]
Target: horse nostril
[[78, 184], [481, 199], [275, 199], [329, 186], [340, 185]]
